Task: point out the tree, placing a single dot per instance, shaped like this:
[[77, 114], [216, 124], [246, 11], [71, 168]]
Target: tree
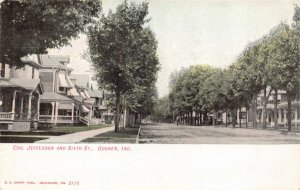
[[123, 51], [162, 112], [32, 27], [285, 65]]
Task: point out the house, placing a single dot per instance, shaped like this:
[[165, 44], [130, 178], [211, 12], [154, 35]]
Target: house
[[94, 101], [247, 115], [281, 109], [20, 92], [57, 103]]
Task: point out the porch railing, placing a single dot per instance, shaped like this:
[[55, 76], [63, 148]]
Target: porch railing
[[60, 118], [85, 121], [6, 116], [25, 116]]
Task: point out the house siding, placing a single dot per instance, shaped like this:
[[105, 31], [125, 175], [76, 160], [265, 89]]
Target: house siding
[[47, 78], [25, 73]]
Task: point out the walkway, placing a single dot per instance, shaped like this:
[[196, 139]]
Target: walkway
[[76, 137]]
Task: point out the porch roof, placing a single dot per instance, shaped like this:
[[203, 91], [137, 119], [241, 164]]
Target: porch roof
[[51, 96], [4, 83], [285, 104], [28, 84]]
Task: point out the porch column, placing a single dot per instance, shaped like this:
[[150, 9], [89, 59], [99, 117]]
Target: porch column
[[72, 112], [238, 116], [13, 106], [296, 115], [29, 106], [56, 111], [91, 112], [279, 115], [38, 107], [52, 111], [285, 118], [21, 106]]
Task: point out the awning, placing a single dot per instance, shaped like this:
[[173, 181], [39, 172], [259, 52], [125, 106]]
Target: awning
[[82, 94], [73, 92], [65, 106], [90, 101], [69, 82], [84, 109], [86, 94], [62, 80]]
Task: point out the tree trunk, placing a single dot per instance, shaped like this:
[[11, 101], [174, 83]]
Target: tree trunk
[[226, 120], [213, 118], [264, 111], [240, 118], [117, 114], [200, 115], [275, 110], [289, 112], [255, 113], [205, 118], [191, 117], [265, 102], [246, 117], [233, 115]]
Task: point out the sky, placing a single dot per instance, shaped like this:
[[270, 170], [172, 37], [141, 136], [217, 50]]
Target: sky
[[193, 32]]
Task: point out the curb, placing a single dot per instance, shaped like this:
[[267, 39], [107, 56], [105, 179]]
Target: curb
[[138, 135]]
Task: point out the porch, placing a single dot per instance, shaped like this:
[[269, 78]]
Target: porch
[[18, 105]]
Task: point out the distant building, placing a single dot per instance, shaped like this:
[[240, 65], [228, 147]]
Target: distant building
[[95, 101], [247, 115]]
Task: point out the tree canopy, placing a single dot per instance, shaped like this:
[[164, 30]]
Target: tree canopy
[[122, 50], [267, 65], [32, 27]]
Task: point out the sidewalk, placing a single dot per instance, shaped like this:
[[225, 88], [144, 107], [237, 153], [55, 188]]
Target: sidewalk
[[76, 137]]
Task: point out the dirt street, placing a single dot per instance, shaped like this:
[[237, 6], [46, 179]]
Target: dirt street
[[172, 134]]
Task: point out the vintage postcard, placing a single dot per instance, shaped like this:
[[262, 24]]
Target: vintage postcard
[[157, 94]]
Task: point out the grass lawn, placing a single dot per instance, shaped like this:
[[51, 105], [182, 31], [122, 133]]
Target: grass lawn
[[124, 136], [10, 139], [55, 131]]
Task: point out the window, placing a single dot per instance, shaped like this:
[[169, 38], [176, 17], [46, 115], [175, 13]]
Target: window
[[2, 70], [32, 73], [62, 89]]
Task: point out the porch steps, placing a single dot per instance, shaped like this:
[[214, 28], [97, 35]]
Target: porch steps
[[84, 121]]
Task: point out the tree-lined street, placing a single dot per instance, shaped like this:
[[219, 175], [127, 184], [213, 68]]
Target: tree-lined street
[[164, 133]]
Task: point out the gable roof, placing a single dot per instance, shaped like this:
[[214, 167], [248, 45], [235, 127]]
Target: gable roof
[[95, 93], [81, 80], [55, 61]]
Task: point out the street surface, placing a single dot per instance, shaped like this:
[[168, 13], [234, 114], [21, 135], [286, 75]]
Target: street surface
[[163, 133]]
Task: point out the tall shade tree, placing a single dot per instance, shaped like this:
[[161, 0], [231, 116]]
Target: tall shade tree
[[31, 26], [285, 64], [123, 51]]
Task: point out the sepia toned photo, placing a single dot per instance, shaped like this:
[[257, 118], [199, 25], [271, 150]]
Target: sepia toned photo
[[157, 94]]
